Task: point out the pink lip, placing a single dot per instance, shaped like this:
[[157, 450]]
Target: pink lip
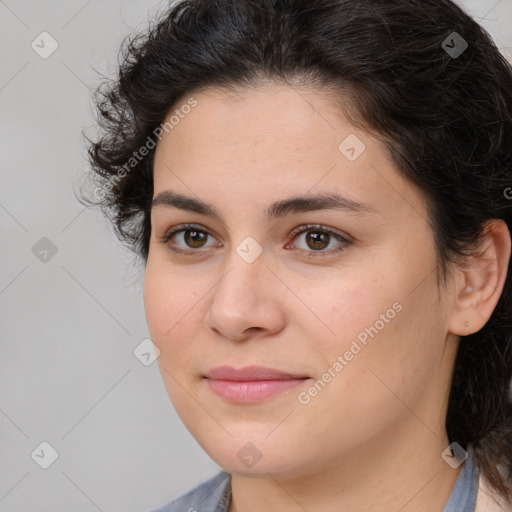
[[250, 384]]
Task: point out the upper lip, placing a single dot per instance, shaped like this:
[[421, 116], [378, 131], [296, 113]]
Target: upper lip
[[250, 373]]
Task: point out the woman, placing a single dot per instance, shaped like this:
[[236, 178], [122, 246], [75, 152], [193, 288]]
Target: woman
[[321, 194]]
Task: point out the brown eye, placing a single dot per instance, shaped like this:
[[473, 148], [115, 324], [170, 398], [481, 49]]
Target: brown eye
[[194, 238], [317, 240], [185, 239]]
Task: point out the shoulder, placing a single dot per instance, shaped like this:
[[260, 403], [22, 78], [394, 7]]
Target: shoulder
[[213, 495]]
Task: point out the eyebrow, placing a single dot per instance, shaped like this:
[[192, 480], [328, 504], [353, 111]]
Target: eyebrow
[[297, 204]]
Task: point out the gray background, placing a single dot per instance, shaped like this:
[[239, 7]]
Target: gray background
[[69, 326]]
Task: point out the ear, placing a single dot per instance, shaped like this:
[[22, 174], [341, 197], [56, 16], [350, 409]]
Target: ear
[[478, 286]]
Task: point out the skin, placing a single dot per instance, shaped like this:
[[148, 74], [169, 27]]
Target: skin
[[375, 433]]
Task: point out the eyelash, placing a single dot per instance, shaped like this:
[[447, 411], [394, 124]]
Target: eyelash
[[299, 231]]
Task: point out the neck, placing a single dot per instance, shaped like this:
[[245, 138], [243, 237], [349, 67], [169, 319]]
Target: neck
[[389, 475]]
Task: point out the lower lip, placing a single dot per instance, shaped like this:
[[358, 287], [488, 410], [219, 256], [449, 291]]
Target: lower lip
[[244, 392]]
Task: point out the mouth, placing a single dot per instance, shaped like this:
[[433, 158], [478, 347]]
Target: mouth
[[251, 384]]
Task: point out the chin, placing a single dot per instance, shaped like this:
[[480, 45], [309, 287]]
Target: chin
[[257, 457]]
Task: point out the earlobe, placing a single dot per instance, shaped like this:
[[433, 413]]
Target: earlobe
[[481, 281]]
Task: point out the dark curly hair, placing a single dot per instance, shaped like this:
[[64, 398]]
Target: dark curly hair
[[443, 110]]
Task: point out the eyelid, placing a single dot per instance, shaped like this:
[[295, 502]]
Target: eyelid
[[344, 240], [184, 227], [320, 227]]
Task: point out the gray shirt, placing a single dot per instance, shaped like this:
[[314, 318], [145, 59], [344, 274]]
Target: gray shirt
[[214, 495]]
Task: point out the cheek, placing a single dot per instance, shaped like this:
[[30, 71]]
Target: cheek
[[367, 393], [389, 358], [155, 303], [376, 324], [173, 310], [173, 318], [344, 309]]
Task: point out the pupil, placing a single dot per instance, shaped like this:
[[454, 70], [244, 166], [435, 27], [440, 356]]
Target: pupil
[[317, 240]]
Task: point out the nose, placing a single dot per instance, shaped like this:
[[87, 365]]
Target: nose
[[246, 301]]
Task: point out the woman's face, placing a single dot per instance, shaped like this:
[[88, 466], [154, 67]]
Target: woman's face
[[347, 310]]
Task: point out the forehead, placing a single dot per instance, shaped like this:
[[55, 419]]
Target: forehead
[[258, 141], [271, 126], [258, 113]]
